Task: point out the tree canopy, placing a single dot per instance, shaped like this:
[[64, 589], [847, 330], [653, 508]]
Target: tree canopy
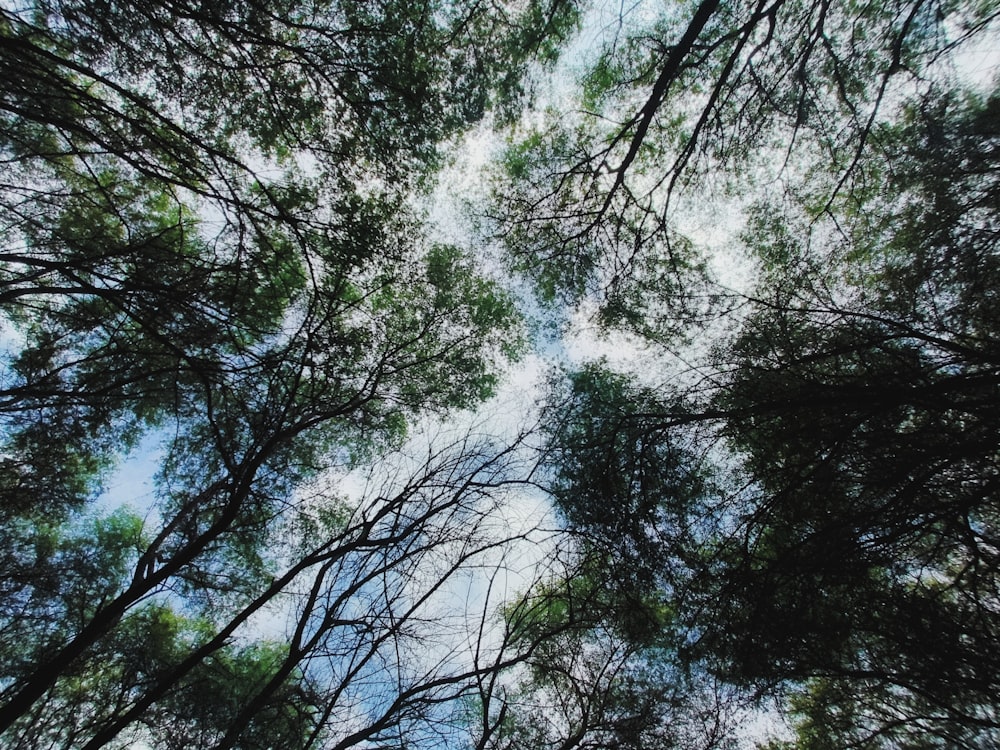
[[214, 257], [803, 492], [209, 240]]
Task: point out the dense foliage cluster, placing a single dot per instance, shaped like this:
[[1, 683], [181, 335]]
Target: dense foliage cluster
[[211, 257], [207, 248], [811, 508]]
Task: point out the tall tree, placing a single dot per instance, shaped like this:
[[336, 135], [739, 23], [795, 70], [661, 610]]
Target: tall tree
[[847, 558], [868, 394], [703, 98], [207, 241]]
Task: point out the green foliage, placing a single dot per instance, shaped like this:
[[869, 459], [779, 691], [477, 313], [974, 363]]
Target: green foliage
[[839, 549], [208, 241], [576, 244], [623, 477], [203, 708], [537, 41], [605, 635], [866, 420], [207, 238], [702, 100], [446, 306], [57, 575]]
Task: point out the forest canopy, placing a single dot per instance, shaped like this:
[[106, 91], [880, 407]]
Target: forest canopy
[[769, 520]]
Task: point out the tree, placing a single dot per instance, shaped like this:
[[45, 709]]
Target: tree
[[210, 243], [870, 428], [703, 99], [604, 622], [601, 669], [207, 241], [847, 561]]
